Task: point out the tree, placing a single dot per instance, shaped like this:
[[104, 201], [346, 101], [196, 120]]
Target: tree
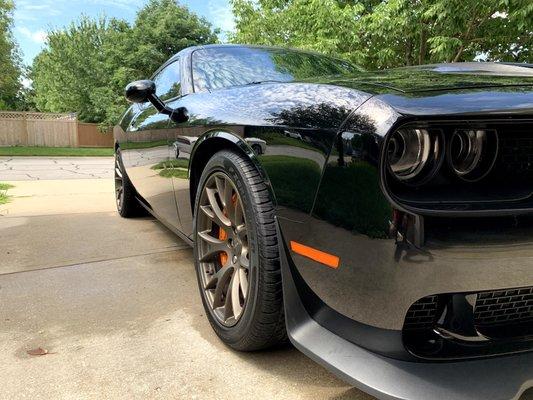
[[10, 62], [86, 66], [392, 33]]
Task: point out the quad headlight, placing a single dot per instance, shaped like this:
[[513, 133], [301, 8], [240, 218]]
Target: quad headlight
[[414, 155], [471, 153]]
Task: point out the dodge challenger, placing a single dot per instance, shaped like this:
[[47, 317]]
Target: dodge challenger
[[384, 225]]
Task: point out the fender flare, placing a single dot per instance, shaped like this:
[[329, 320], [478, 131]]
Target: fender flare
[[215, 140]]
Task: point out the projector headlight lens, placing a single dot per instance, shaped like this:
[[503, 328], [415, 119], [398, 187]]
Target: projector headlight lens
[[471, 153], [413, 154]]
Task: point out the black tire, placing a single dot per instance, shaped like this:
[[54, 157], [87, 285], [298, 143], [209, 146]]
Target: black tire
[[125, 195], [262, 322]]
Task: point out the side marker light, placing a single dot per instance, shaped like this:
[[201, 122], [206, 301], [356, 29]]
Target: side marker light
[[316, 255]]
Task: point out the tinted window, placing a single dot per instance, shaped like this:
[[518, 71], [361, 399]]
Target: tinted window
[[168, 81], [216, 68]]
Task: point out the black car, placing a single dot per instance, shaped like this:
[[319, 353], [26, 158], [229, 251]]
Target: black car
[[385, 227]]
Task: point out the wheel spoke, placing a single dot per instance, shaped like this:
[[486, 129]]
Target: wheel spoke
[[243, 259], [225, 192], [208, 211], [214, 246], [238, 217], [244, 282], [222, 278], [235, 298], [219, 218], [241, 231]]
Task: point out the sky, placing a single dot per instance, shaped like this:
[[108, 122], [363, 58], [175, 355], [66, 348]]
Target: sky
[[33, 18]]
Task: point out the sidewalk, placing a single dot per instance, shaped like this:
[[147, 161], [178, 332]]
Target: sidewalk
[[38, 168]]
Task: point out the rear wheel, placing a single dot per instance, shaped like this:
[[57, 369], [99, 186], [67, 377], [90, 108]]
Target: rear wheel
[[127, 205], [236, 254]]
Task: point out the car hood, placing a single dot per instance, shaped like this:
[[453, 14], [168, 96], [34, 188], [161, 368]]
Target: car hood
[[438, 77]]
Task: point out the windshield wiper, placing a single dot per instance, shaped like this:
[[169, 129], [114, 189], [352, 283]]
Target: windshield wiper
[[265, 81]]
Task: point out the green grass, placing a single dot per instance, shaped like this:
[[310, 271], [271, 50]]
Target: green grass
[[174, 173], [276, 139], [350, 197], [178, 163], [294, 180], [173, 168], [4, 198], [142, 145], [56, 151]]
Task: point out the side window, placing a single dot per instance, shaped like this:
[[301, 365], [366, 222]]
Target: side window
[[168, 81]]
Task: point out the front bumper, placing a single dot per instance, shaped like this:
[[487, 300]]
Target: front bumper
[[501, 378]]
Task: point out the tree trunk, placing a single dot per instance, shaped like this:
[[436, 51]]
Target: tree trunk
[[409, 52], [458, 54], [423, 46]]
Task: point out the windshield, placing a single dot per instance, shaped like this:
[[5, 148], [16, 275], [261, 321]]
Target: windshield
[[220, 67]]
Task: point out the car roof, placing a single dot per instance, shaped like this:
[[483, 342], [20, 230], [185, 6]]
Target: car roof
[[189, 50]]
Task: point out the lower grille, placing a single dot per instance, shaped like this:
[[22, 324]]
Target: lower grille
[[504, 307], [422, 314], [516, 154], [504, 317]]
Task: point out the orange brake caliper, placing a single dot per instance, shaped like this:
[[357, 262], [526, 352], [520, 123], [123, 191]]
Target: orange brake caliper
[[222, 235]]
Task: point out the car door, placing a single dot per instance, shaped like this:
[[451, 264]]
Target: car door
[[150, 149]]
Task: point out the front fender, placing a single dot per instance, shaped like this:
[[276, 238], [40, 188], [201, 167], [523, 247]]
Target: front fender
[[215, 140]]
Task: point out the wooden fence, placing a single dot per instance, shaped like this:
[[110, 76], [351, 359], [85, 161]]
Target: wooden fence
[[49, 130]]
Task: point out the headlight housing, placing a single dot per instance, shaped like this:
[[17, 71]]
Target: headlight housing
[[472, 153], [414, 155], [460, 167]]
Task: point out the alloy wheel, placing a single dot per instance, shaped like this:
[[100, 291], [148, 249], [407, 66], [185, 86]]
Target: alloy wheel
[[119, 182], [223, 250]]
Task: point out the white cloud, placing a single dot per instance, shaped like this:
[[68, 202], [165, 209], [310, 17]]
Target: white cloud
[[38, 36], [221, 15], [129, 5], [29, 11]]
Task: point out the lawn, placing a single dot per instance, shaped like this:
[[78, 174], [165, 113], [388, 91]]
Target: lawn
[[295, 180], [173, 168], [4, 198], [56, 151]]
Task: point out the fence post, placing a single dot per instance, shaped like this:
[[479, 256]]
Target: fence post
[[75, 135], [25, 138]]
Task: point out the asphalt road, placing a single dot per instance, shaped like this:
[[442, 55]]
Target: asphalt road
[[114, 303]]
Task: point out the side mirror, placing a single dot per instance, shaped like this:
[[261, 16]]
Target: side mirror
[[140, 91], [144, 90]]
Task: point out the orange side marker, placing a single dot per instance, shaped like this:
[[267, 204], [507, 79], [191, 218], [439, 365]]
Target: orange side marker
[[324, 258]]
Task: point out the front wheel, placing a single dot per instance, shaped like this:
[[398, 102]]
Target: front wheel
[[236, 254]]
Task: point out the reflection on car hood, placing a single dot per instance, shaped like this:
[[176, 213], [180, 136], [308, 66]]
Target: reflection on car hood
[[438, 77]]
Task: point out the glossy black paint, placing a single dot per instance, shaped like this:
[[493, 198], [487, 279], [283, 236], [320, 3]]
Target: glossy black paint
[[325, 166], [140, 91]]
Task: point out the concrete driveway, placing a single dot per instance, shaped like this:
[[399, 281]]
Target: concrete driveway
[[115, 304]]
